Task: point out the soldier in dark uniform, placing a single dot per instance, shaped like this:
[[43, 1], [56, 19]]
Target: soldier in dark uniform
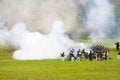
[[62, 56], [118, 56], [78, 54], [119, 53], [117, 45], [91, 55], [71, 55]]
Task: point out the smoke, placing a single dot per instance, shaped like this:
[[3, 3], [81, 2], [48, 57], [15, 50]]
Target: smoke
[[98, 18], [34, 45], [13, 36], [78, 19], [43, 38], [33, 26], [40, 14]]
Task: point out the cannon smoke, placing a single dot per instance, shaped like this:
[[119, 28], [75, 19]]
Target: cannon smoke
[[50, 26]]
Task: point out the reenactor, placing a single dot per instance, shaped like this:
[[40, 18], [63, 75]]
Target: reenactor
[[91, 55], [117, 45], [118, 56], [71, 54], [78, 54], [63, 56]]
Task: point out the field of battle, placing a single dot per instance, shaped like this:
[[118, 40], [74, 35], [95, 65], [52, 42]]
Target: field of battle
[[59, 40]]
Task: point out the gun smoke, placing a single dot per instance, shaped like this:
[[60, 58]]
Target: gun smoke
[[42, 29]]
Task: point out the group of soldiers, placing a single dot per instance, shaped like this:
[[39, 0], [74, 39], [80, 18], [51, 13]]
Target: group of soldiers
[[97, 52]]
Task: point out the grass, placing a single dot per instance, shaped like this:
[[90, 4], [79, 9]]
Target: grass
[[110, 43], [57, 70]]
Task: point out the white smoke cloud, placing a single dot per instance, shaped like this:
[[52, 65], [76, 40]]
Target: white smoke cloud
[[4, 33], [4, 37], [100, 19], [34, 45], [13, 36], [16, 33], [41, 15]]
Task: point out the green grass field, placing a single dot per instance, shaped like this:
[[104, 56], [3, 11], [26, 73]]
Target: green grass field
[[57, 70]]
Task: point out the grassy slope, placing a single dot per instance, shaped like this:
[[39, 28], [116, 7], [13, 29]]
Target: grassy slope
[[110, 43], [57, 70]]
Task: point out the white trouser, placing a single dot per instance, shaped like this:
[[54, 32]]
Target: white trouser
[[78, 58], [72, 58], [118, 56]]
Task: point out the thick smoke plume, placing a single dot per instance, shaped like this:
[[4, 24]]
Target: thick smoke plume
[[40, 14], [34, 45], [13, 36], [41, 36], [78, 19], [98, 18]]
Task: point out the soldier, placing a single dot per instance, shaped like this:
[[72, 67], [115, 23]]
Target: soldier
[[106, 55], [62, 56], [72, 57], [78, 54], [118, 56], [106, 52], [91, 55], [117, 45], [83, 53]]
